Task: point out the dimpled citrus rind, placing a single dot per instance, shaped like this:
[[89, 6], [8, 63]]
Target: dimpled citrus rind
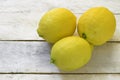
[[57, 24], [71, 53], [97, 25]]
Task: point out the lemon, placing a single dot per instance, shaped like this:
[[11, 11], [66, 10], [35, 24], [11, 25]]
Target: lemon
[[71, 53], [56, 24], [97, 25]]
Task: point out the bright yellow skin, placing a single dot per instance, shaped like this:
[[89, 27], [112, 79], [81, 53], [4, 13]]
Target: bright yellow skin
[[97, 25], [56, 24], [71, 53]]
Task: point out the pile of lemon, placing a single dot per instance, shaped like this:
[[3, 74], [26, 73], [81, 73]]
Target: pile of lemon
[[95, 27]]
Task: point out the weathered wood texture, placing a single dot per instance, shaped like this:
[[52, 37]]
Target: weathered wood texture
[[19, 19], [60, 77], [34, 57]]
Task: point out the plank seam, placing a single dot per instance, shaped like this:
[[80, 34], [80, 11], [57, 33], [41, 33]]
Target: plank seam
[[42, 41], [113, 13], [58, 73]]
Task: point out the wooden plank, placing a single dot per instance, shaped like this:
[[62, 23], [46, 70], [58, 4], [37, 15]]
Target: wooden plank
[[18, 26], [59, 77], [77, 6], [34, 57], [23, 26], [18, 21]]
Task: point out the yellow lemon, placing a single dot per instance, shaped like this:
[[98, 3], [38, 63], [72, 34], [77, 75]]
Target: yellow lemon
[[97, 25], [71, 53], [56, 24]]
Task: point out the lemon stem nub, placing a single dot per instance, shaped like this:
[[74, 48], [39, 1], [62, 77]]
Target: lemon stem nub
[[52, 60], [84, 35]]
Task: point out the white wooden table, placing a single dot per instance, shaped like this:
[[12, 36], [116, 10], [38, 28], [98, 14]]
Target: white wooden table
[[25, 56]]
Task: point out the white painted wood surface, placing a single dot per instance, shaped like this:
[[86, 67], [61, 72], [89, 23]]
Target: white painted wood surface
[[60, 77], [18, 21], [34, 57]]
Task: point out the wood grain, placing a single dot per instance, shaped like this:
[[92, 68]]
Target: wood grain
[[60, 77], [77, 6], [19, 19], [34, 57], [27, 58], [19, 27]]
